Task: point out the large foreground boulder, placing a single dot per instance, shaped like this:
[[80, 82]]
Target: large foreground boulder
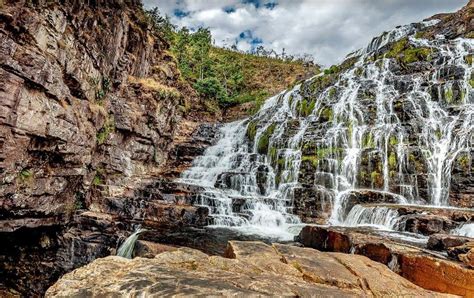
[[250, 269]]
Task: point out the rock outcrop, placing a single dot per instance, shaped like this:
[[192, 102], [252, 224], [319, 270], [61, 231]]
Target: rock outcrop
[[250, 269], [424, 268], [91, 112]]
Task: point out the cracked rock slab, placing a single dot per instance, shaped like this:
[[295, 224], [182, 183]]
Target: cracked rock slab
[[250, 269]]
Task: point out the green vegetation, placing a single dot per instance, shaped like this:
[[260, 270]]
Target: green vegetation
[[392, 160], [273, 152], [368, 141], [104, 132], [252, 130], [393, 141], [263, 142], [468, 59], [227, 76], [102, 87], [326, 114], [331, 70], [305, 108], [313, 159], [406, 53], [464, 161], [448, 94], [99, 177], [25, 175], [470, 35]]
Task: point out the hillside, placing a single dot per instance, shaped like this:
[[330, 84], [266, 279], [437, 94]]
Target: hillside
[[230, 83]]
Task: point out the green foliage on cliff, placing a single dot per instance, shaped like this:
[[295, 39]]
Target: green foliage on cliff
[[105, 131], [228, 76], [25, 175]]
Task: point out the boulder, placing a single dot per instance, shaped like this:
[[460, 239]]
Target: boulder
[[429, 270], [250, 269], [443, 241]]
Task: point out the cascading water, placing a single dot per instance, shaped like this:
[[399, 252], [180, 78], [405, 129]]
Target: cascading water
[[372, 126], [466, 230], [380, 217], [126, 249]]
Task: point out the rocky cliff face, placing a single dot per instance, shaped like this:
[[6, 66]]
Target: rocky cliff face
[[90, 103]]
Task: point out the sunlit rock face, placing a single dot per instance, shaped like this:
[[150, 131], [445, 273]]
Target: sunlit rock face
[[251, 268]]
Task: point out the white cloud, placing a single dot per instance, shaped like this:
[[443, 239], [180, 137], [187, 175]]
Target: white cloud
[[327, 29]]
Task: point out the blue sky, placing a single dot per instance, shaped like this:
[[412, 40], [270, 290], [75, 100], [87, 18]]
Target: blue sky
[[327, 29]]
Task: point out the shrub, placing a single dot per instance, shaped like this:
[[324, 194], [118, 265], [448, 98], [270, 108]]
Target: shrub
[[105, 131], [211, 88]]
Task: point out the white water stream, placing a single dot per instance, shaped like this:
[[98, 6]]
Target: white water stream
[[437, 132]]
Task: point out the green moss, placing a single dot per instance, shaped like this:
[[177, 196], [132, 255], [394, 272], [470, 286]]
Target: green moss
[[392, 160], [415, 54], [332, 92], [374, 176], [393, 141], [471, 82], [262, 146], [397, 48], [320, 83], [359, 71], [406, 53], [325, 152], [464, 161], [311, 158], [468, 59], [281, 163], [448, 95], [273, 153], [251, 130], [305, 108], [368, 141], [25, 175], [350, 128], [97, 180], [438, 134], [419, 34], [104, 132], [331, 70], [470, 35], [327, 114]]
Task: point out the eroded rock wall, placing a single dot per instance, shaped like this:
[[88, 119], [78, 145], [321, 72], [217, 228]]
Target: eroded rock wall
[[91, 105]]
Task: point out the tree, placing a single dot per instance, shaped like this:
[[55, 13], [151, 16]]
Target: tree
[[201, 42], [211, 88]]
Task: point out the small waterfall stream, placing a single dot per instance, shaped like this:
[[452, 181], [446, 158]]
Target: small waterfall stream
[[126, 249], [375, 126]]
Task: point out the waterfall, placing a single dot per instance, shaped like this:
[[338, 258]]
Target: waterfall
[[466, 230], [126, 249], [380, 217], [372, 126]]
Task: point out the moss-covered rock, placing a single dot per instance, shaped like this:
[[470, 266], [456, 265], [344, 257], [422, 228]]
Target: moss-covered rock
[[264, 139], [405, 53], [251, 130]]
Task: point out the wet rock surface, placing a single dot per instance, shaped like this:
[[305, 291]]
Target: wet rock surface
[[251, 268], [425, 268]]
